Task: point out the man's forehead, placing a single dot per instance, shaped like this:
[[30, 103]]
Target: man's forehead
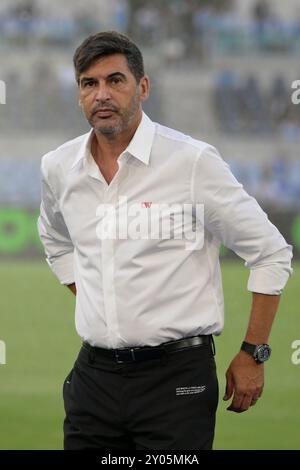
[[107, 65]]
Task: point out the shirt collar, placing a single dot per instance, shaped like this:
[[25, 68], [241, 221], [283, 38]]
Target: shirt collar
[[139, 146], [141, 143], [84, 149]]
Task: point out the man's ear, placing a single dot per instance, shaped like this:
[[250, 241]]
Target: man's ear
[[144, 87]]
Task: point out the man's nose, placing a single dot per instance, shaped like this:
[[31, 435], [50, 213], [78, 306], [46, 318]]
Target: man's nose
[[102, 93]]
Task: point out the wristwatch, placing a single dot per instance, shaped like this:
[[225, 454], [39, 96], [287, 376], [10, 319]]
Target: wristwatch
[[259, 352]]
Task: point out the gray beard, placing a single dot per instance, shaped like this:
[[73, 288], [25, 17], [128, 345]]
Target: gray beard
[[109, 132]]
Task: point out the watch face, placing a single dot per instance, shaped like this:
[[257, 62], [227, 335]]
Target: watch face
[[263, 353]]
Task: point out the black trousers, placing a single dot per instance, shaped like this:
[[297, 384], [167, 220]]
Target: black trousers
[[166, 403]]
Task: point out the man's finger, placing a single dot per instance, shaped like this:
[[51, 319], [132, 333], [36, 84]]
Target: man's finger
[[254, 400], [246, 403], [229, 388], [236, 403]]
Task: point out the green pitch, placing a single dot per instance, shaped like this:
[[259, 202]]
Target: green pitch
[[37, 326]]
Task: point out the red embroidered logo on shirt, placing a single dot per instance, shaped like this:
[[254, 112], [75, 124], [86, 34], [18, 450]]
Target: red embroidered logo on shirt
[[146, 204]]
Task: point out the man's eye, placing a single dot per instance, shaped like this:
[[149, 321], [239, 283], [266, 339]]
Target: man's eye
[[88, 84], [115, 80]]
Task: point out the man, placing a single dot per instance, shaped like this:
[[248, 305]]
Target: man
[[132, 217]]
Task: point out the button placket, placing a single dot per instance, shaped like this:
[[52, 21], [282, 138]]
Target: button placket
[[108, 265]]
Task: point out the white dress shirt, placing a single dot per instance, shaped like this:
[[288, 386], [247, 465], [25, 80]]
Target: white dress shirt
[[144, 291]]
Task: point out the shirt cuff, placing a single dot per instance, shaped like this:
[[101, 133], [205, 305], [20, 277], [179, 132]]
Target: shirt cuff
[[269, 279], [63, 268]]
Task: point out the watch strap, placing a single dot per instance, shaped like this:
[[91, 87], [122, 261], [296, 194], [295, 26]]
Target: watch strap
[[249, 348]]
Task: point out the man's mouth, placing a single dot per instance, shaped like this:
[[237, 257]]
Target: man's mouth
[[102, 113]]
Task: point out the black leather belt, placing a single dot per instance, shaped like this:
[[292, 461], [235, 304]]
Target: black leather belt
[[148, 352]]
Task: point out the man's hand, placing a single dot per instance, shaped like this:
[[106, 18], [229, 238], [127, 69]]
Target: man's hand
[[245, 381]]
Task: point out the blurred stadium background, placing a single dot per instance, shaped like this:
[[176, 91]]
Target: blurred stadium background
[[221, 71]]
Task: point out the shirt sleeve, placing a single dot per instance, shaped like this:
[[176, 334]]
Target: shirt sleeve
[[235, 219], [54, 235]]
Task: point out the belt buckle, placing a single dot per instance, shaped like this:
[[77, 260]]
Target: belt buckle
[[119, 361], [132, 355]]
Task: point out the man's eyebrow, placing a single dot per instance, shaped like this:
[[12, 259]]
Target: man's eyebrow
[[116, 74], [108, 77]]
